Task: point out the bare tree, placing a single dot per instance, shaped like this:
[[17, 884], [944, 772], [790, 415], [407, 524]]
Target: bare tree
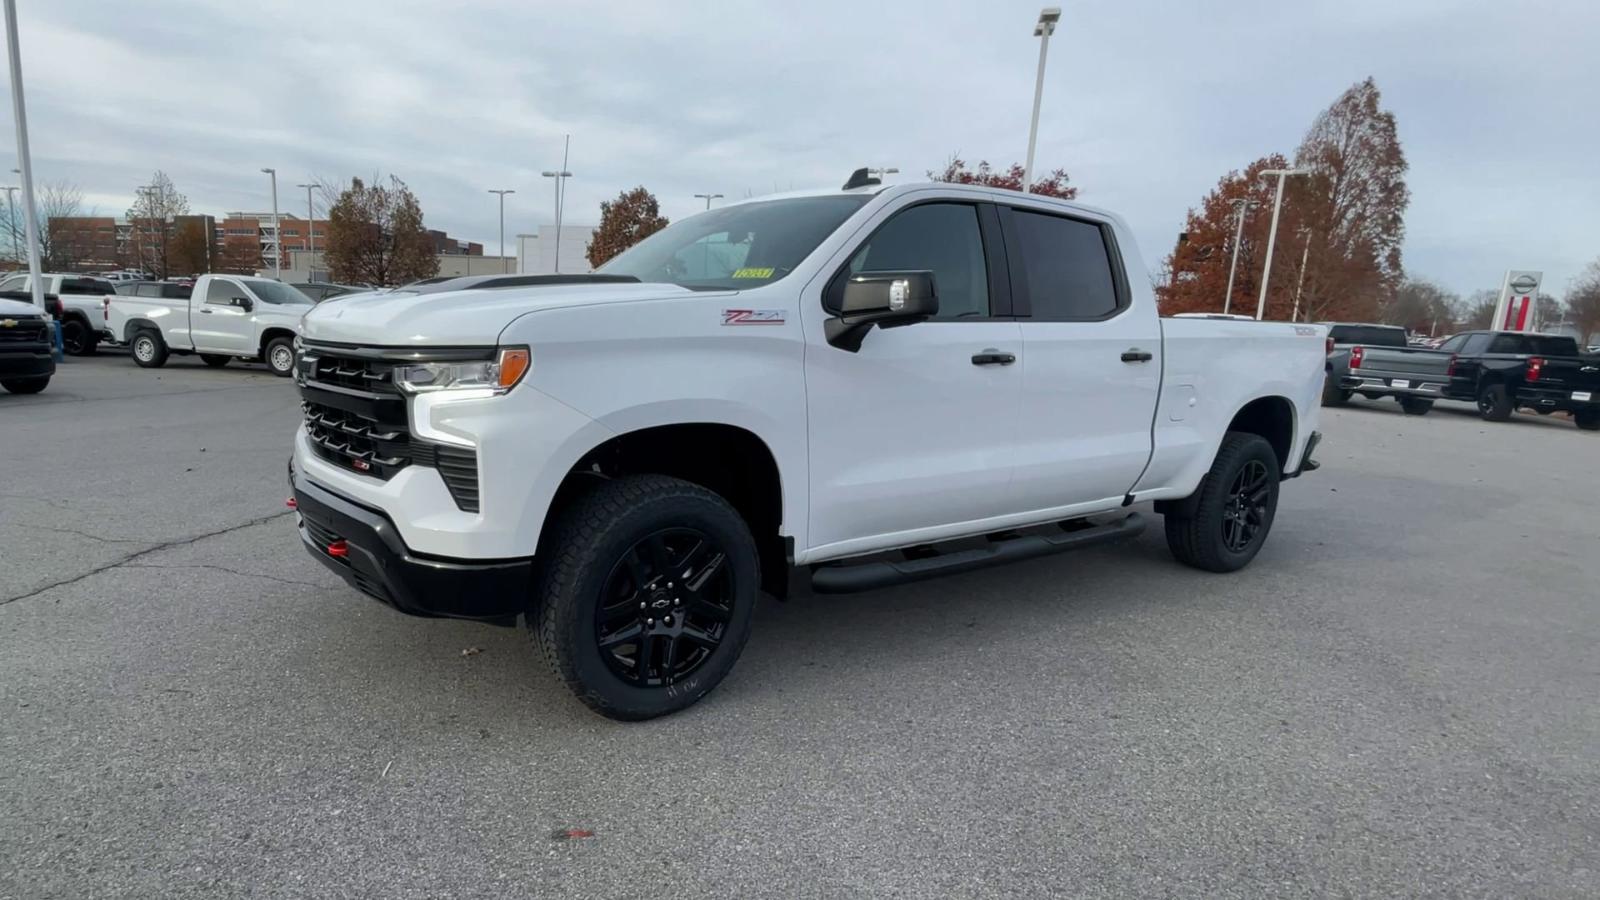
[[1583, 303], [59, 244], [151, 215]]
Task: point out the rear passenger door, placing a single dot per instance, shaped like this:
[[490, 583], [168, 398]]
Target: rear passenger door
[[1091, 362]]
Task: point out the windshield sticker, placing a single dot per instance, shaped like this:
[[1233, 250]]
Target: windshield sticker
[[753, 273], [753, 316]]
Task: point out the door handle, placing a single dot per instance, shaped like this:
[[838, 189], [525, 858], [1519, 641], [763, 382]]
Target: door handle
[[1137, 355], [205, 312], [993, 357]]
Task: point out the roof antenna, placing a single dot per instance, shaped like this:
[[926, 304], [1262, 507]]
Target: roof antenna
[[861, 178]]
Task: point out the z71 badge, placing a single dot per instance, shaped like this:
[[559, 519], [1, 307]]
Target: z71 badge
[[753, 316]]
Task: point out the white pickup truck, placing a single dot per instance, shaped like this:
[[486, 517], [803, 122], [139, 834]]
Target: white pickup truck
[[83, 302], [879, 384], [224, 317]]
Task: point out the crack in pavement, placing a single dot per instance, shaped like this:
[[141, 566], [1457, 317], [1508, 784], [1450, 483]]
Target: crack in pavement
[[165, 545], [310, 584], [92, 537]]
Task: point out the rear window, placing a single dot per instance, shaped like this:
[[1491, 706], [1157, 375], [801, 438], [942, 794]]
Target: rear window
[[86, 286], [1534, 344], [1368, 335]]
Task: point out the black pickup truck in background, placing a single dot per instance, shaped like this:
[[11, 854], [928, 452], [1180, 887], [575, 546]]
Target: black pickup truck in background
[[1503, 371], [1500, 371]]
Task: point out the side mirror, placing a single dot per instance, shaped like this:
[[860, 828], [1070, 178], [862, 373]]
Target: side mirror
[[244, 303], [884, 299]]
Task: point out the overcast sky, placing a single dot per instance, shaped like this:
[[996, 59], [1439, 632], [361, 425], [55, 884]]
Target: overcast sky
[[1146, 104]]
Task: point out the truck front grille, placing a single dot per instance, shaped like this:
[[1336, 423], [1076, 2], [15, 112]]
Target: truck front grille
[[356, 419], [26, 331]]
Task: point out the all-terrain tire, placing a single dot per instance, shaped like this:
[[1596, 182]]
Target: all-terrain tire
[[578, 557], [1332, 395], [1588, 420], [77, 338], [1195, 527]]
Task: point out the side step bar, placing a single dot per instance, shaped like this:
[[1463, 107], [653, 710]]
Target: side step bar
[[846, 578]]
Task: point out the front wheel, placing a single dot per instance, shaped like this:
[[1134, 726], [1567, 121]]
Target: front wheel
[[1494, 403], [648, 589], [1222, 527], [280, 356], [1416, 406], [25, 385], [1588, 420], [149, 350]]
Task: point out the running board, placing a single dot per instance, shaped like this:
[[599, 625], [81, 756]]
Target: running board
[[847, 579]]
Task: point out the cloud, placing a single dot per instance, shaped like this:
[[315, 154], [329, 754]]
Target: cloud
[[1146, 105]]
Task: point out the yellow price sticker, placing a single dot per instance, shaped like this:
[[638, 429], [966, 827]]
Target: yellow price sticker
[[753, 273]]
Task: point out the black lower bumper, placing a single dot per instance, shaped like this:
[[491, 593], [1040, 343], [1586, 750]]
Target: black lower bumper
[[26, 364], [375, 561]]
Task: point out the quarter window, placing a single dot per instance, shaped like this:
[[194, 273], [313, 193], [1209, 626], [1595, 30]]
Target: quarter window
[[1477, 343], [1066, 267], [942, 238]]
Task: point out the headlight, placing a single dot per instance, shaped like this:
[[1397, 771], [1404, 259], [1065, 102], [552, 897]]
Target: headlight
[[496, 375]]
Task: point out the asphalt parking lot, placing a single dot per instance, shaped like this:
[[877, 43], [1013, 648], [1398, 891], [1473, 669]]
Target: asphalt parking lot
[[1396, 699]]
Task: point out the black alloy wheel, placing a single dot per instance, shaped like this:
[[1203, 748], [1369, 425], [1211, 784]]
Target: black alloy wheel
[[1246, 506], [665, 607]]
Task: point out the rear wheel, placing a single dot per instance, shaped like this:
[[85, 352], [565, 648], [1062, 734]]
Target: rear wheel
[[1332, 395], [1416, 406], [1588, 420], [149, 350], [647, 595], [25, 385], [1222, 527], [214, 360], [279, 356], [77, 338], [1494, 403]]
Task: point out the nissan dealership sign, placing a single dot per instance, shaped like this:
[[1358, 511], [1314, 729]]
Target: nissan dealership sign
[[1514, 310]]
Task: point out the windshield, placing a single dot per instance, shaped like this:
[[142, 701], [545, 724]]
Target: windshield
[[742, 246], [278, 292]]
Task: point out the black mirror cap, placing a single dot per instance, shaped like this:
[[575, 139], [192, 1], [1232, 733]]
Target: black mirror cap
[[885, 299]]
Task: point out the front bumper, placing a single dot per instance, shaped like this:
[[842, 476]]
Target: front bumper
[[377, 562], [26, 363]]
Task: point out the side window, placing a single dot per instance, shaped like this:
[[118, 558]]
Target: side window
[[942, 238], [1476, 343], [1066, 267], [176, 291], [149, 290], [222, 292], [14, 283], [1454, 345]]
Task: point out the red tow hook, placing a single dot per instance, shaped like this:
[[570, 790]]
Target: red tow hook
[[292, 503], [339, 549]]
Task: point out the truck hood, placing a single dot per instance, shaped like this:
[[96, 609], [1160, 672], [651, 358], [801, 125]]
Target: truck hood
[[456, 318], [10, 307]]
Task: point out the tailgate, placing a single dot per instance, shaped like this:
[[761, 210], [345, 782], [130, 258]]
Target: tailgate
[[1571, 373], [1386, 362]]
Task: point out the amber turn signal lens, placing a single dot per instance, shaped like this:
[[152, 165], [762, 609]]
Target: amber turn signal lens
[[514, 363]]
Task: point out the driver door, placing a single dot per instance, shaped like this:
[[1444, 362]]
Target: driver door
[[221, 322], [912, 436]]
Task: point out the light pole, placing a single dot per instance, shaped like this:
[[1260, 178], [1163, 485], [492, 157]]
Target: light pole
[[277, 239], [1300, 282], [560, 175], [708, 198], [1046, 26], [24, 158], [11, 220], [1240, 204], [1272, 234], [502, 193], [311, 230]]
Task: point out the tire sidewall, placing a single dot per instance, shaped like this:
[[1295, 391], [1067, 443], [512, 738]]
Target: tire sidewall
[[272, 349], [1220, 483], [85, 338], [575, 628], [155, 349]]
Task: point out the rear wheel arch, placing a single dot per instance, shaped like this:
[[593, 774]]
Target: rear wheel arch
[[1272, 417]]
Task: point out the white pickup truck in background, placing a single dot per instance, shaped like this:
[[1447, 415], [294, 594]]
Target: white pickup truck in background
[[224, 317], [83, 301], [879, 383]]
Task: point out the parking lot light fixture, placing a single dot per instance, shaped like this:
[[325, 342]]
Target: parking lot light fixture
[[1272, 232], [311, 218], [502, 192], [708, 198], [1042, 29]]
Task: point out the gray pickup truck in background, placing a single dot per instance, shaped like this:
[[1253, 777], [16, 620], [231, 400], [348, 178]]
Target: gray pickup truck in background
[[1375, 361]]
